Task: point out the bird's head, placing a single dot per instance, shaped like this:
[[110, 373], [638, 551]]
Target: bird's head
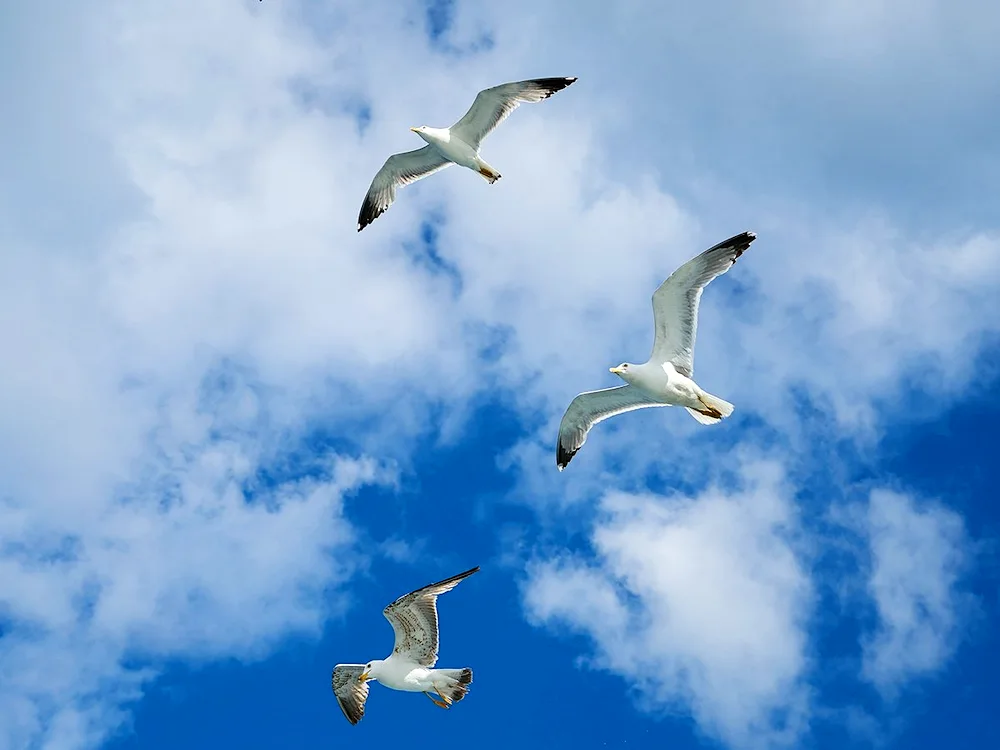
[[624, 371], [370, 671], [428, 133]]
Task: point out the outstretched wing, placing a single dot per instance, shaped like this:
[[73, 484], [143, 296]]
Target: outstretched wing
[[414, 619], [588, 409], [675, 302], [493, 106], [351, 693], [398, 170]]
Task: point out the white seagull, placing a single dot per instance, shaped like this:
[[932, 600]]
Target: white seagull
[[458, 144], [409, 667], [666, 379]]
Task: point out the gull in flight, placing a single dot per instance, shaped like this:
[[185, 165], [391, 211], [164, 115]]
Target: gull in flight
[[410, 666], [458, 144], [666, 379]]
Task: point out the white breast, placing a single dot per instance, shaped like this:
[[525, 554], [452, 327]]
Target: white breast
[[652, 380], [680, 388], [401, 675], [453, 148]]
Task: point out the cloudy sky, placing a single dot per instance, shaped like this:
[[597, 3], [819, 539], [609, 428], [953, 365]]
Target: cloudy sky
[[232, 428]]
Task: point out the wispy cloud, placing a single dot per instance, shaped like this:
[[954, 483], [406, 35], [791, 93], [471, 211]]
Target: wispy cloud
[[701, 602], [193, 305], [919, 554]]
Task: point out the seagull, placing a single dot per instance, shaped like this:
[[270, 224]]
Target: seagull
[[458, 144], [409, 667], [666, 379]]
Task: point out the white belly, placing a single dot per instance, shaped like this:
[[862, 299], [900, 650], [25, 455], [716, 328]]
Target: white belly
[[458, 151], [407, 678], [681, 390], [666, 385]]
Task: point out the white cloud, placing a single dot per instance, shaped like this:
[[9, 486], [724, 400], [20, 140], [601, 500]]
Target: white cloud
[[918, 554], [189, 297], [700, 602], [181, 566], [193, 341], [842, 302]]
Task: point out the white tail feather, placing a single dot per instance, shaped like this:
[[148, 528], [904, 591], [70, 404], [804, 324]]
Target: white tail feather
[[713, 402], [487, 172], [456, 683]]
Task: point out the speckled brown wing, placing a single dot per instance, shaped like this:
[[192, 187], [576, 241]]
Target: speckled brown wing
[[414, 619], [351, 693]]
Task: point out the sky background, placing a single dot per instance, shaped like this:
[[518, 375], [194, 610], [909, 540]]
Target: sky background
[[232, 429]]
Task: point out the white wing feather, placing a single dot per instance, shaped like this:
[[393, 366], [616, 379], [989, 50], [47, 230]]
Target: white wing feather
[[399, 170], [675, 302], [592, 407], [492, 106]]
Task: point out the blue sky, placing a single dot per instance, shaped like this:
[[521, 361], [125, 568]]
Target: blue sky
[[233, 428]]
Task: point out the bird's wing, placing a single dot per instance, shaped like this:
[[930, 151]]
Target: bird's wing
[[398, 170], [592, 407], [492, 106], [675, 302], [414, 619], [351, 693]]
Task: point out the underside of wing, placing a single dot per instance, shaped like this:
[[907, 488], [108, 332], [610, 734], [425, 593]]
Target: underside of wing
[[414, 620], [350, 692], [492, 106], [588, 409], [676, 301], [398, 170]]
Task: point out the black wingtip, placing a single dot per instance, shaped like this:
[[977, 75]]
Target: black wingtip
[[552, 85], [460, 576], [366, 217], [738, 243], [563, 457], [370, 210], [743, 242]]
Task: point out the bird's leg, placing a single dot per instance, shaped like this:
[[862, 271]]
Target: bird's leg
[[445, 698], [435, 701], [710, 411]]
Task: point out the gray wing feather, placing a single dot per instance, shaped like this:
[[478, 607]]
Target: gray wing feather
[[399, 170], [675, 302], [588, 409], [350, 692], [414, 620], [492, 106]]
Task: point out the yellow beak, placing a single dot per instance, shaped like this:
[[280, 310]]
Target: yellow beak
[[413, 129], [363, 677], [616, 370]]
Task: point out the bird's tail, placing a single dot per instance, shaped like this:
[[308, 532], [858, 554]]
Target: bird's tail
[[489, 173], [458, 681], [716, 409]]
